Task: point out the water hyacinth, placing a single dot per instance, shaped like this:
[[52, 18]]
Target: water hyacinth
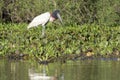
[[59, 41]]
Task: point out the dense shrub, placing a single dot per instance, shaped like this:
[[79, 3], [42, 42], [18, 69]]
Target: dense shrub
[[104, 12]]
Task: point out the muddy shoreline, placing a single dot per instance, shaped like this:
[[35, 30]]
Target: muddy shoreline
[[64, 58]]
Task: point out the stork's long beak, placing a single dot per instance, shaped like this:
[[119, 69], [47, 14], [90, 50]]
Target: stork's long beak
[[58, 15]]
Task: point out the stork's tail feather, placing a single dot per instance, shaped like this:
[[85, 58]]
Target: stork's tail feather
[[30, 26]]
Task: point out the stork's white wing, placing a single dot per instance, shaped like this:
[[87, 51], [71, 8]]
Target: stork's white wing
[[40, 20]]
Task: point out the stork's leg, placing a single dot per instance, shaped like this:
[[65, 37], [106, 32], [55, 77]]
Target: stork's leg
[[43, 30]]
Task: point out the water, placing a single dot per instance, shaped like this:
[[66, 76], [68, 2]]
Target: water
[[72, 70]]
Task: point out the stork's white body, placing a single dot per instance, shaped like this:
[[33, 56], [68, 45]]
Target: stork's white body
[[40, 20], [43, 19]]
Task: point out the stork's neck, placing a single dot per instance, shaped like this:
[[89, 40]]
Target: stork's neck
[[51, 18]]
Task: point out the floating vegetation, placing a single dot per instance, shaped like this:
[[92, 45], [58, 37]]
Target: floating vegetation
[[60, 42]]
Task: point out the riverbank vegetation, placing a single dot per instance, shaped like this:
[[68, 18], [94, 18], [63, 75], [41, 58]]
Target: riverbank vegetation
[[91, 29], [101, 12], [60, 42]]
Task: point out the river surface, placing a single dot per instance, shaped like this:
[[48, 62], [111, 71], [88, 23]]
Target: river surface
[[71, 70]]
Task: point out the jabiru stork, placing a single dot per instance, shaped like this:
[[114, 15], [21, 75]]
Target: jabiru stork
[[43, 19]]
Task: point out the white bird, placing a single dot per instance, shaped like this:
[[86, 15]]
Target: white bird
[[43, 19]]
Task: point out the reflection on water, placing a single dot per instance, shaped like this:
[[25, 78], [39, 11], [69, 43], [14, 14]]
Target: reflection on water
[[34, 75], [13, 70], [77, 70], [40, 76]]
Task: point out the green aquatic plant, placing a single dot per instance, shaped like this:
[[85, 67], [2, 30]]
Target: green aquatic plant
[[59, 41]]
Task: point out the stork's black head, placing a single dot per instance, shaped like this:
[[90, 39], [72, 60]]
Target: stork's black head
[[54, 14]]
